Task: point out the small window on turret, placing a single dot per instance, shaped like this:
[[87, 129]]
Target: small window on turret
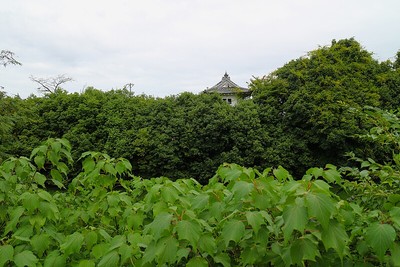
[[229, 101]]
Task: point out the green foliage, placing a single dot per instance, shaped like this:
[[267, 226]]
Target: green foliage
[[309, 106], [107, 217]]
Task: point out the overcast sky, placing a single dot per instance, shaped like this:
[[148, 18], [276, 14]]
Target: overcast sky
[[167, 47]]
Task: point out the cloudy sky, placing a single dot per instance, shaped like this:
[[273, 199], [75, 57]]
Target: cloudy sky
[[167, 47]]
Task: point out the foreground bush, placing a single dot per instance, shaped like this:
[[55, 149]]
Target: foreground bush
[[107, 217]]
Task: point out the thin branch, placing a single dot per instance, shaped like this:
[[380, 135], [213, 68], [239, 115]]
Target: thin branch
[[52, 84], [7, 57]]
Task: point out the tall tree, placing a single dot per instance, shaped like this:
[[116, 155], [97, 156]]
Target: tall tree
[[310, 104]]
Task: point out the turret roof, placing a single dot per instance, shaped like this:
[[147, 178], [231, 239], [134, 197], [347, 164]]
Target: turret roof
[[226, 86]]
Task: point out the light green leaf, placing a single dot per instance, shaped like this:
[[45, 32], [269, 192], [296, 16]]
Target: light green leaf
[[45, 195], [230, 172], [87, 263], [303, 249], [255, 219], [295, 218], [161, 223], [320, 206], [207, 244], [72, 243], [99, 250], [241, 189], [40, 243], [380, 237], [117, 241], [395, 252], [199, 202], [54, 259], [232, 231], [166, 250], [197, 262], [395, 215], [14, 218], [109, 260], [335, 237], [90, 239], [88, 165], [56, 175], [6, 254], [126, 253], [25, 258], [332, 175], [223, 258], [189, 230], [40, 179], [39, 161], [30, 201], [281, 174]]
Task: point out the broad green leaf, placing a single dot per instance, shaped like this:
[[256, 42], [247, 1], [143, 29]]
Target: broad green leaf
[[30, 201], [6, 254], [117, 241], [199, 202], [39, 161], [332, 175], [127, 164], [125, 252], [232, 231], [295, 218], [109, 168], [281, 174], [25, 258], [111, 259], [169, 194], [87, 263], [320, 206], [166, 249], [335, 237], [56, 175], [105, 235], [99, 250], [222, 258], [90, 239], [255, 219], [182, 253], [45, 195], [14, 218], [241, 189], [304, 249], [395, 253], [197, 262], [249, 256], [207, 244], [120, 167], [72, 243], [380, 237], [230, 172], [161, 223], [395, 215], [40, 243], [40, 179], [189, 230]]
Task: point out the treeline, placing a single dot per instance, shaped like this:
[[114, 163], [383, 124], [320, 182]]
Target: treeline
[[307, 113]]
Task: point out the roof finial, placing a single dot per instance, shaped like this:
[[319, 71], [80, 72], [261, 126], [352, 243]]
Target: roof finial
[[226, 75]]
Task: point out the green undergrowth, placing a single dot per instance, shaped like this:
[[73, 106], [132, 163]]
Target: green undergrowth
[[105, 216]]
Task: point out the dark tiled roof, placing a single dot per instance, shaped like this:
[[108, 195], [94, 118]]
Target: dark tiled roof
[[226, 86]]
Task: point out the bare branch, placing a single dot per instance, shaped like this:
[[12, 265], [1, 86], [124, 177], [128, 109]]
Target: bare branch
[[7, 57], [52, 84]]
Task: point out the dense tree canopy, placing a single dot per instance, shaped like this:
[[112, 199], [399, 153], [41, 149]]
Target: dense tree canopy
[[314, 102], [306, 113]]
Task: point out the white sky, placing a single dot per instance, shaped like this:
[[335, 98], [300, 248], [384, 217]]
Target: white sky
[[167, 47]]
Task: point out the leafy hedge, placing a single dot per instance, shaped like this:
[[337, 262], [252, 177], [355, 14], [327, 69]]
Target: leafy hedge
[[105, 216]]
